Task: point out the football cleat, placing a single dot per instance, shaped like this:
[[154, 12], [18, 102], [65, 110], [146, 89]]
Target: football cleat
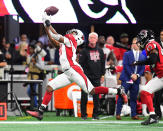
[[35, 114], [122, 93], [151, 120]]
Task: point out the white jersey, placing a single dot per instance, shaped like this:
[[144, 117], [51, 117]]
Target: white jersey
[[67, 52], [72, 70]]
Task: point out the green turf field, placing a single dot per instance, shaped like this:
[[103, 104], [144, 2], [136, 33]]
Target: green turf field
[[61, 123]]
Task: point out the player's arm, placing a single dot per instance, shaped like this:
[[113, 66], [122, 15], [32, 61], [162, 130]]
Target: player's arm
[[152, 59], [54, 37], [55, 42]]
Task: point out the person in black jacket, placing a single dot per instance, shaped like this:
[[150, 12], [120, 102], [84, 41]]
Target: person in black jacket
[[9, 53], [92, 60]]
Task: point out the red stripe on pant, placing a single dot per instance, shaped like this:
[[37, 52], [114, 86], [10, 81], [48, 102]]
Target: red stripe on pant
[[147, 98], [80, 71]]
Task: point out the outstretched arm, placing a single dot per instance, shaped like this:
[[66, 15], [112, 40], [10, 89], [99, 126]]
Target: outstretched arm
[[54, 37], [55, 42], [153, 58]]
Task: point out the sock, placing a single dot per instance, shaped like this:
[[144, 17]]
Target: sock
[[143, 99], [105, 90], [148, 100], [101, 90], [46, 99], [152, 113], [144, 109], [113, 91]]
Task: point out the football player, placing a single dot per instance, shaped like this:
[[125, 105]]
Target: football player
[[72, 71], [155, 59]]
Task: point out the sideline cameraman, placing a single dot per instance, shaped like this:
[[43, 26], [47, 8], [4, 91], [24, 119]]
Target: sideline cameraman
[[35, 69]]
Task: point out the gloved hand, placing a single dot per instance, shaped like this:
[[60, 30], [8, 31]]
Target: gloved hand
[[46, 19]]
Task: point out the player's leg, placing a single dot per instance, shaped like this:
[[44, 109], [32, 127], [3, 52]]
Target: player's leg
[[57, 83], [77, 75], [120, 101], [152, 86], [144, 105]]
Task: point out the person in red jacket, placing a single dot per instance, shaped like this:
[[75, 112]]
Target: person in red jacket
[[110, 45]]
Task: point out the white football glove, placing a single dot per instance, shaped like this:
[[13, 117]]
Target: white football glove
[[45, 17]]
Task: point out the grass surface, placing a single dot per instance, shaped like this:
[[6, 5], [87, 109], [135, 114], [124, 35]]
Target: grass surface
[[66, 123]]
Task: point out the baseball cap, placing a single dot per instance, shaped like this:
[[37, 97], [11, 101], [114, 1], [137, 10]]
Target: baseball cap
[[123, 35]]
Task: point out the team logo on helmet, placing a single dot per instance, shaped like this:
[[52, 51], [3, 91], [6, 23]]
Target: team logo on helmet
[[78, 35]]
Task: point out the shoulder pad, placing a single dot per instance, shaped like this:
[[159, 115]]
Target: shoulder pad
[[150, 46]]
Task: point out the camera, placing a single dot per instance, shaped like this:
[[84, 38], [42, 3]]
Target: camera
[[40, 51], [37, 49]]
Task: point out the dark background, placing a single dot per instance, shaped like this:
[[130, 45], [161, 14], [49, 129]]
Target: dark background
[[146, 11]]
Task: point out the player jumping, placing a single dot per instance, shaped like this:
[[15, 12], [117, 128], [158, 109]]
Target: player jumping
[[155, 59], [72, 71]]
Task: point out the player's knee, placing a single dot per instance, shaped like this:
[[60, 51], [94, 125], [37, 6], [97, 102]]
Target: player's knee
[[49, 89]]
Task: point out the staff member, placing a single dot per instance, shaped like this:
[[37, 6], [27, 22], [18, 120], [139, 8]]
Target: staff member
[[130, 78], [92, 61]]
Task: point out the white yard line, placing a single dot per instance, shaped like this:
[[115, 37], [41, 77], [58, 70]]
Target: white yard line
[[105, 117], [72, 122]]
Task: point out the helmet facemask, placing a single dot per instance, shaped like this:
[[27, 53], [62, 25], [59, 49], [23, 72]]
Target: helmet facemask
[[78, 35], [144, 37]]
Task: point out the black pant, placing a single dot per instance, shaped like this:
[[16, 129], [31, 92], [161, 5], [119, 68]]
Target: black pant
[[84, 99], [157, 102]]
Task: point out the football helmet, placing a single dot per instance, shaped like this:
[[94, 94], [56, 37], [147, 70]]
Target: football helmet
[[144, 36], [78, 35]]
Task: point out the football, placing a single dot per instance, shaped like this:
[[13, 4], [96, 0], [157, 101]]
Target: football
[[52, 10]]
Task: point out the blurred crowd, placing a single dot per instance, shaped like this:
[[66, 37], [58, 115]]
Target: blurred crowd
[[113, 50], [18, 53]]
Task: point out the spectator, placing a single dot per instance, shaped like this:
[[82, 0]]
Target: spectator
[[23, 38], [130, 78], [124, 40], [44, 40], [22, 54], [35, 65], [93, 63], [52, 56], [115, 54], [9, 53], [101, 43]]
